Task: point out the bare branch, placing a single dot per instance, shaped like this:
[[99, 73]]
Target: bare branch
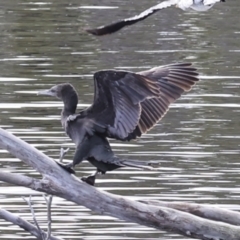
[[21, 180], [201, 210], [29, 202], [63, 152], [27, 153], [27, 226], [49, 203]]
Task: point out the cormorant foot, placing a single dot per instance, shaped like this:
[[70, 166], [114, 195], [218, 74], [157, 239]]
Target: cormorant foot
[[67, 167], [89, 180]]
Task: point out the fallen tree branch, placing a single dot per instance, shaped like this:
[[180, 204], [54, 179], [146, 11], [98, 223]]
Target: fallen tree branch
[[201, 210], [19, 179], [58, 182]]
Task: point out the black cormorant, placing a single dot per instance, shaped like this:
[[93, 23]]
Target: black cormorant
[[197, 5], [125, 106]]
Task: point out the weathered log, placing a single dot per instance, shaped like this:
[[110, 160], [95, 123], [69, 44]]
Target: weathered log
[[58, 182]]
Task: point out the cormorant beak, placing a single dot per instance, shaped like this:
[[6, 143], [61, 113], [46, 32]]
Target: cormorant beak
[[46, 92]]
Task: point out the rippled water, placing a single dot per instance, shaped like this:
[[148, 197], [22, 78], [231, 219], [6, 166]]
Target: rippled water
[[197, 142]]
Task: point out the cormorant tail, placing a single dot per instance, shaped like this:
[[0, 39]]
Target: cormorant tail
[[148, 165]]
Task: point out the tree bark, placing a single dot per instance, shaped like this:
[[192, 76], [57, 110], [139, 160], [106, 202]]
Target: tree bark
[[202, 210], [58, 182]]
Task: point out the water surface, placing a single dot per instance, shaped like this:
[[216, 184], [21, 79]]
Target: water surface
[[197, 142]]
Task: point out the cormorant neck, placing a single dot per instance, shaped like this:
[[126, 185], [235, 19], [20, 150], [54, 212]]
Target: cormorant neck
[[70, 102]]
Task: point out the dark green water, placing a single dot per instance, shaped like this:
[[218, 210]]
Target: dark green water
[[197, 142]]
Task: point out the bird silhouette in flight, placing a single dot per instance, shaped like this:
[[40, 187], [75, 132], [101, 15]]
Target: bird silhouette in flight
[[197, 5]]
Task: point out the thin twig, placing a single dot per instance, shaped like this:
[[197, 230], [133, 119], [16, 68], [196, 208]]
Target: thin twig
[[62, 153], [49, 200], [22, 223], [34, 216], [49, 214]]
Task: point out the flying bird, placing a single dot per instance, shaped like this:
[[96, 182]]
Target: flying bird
[[125, 106], [197, 5]]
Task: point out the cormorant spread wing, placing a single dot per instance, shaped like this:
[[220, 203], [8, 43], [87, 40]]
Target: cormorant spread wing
[[120, 109]]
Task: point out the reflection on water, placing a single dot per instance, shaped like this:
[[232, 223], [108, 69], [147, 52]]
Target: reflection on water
[[197, 142]]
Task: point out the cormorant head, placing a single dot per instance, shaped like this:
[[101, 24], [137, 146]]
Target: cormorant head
[[65, 92], [61, 91]]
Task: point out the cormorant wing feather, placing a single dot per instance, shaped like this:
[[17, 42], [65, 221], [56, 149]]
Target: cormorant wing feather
[[114, 27], [117, 99], [173, 81]]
